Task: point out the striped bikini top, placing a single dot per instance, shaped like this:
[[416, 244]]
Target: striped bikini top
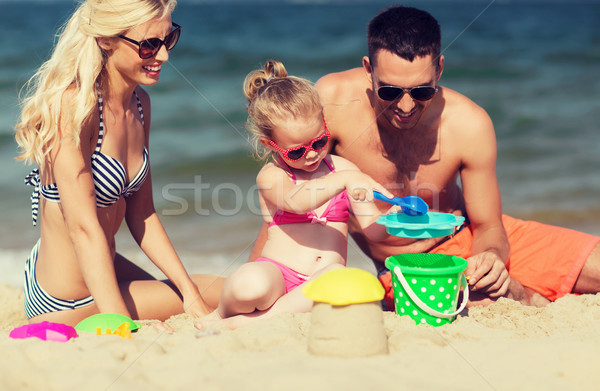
[[110, 177]]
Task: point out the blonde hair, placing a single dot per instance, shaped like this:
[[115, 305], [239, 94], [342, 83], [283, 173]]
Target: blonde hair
[[77, 64], [274, 96]]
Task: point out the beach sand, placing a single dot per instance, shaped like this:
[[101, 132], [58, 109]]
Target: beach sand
[[505, 346]]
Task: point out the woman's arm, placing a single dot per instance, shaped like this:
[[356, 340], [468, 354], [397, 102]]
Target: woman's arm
[[71, 169], [148, 231]]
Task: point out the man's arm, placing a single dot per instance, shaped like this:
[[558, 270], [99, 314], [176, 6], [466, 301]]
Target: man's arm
[[490, 251]]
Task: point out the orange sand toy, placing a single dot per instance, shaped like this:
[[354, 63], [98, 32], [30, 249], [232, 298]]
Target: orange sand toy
[[122, 331]]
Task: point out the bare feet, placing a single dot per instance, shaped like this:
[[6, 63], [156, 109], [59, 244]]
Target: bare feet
[[158, 325], [212, 317], [209, 320]]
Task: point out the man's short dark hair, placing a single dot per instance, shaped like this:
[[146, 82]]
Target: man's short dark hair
[[405, 31]]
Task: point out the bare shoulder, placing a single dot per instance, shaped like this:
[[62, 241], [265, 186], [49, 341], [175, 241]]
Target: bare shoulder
[[339, 86], [458, 105], [76, 137], [270, 173], [346, 105], [68, 102], [469, 127], [462, 114]]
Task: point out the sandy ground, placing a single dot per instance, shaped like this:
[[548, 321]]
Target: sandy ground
[[505, 346]]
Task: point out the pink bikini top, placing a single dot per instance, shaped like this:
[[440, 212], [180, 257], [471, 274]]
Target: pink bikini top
[[337, 210]]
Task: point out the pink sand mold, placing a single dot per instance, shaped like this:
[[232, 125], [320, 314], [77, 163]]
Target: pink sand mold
[[46, 331]]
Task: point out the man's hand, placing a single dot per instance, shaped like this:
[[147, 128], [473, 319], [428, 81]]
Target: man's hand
[[487, 274]]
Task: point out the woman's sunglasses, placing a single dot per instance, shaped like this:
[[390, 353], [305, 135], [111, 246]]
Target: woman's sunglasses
[[149, 47], [296, 153], [420, 93]]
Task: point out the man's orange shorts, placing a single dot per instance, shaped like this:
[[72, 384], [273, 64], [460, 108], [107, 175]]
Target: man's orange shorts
[[543, 257]]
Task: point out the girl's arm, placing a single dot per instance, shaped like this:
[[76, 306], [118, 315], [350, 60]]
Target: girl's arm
[[366, 212], [148, 231], [71, 169], [279, 190]]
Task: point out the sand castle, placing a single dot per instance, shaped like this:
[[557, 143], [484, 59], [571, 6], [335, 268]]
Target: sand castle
[[346, 320]]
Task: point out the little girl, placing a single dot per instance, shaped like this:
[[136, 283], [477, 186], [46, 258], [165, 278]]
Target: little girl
[[305, 196]]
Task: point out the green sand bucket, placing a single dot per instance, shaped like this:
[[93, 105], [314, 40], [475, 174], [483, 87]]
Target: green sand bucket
[[426, 286]]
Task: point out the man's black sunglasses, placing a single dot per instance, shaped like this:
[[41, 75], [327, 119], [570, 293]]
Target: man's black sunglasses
[[420, 93], [149, 47]]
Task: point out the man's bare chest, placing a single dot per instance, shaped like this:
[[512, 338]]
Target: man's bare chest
[[404, 169]]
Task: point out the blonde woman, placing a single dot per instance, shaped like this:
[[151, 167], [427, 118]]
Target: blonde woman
[[85, 122]]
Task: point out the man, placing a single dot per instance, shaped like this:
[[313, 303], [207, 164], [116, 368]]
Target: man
[[397, 124]]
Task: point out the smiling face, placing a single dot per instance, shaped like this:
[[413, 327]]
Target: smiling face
[[296, 132], [124, 59], [392, 70]]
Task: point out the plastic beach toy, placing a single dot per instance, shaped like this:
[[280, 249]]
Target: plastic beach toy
[[105, 321], [344, 286], [122, 331], [411, 205], [430, 225], [426, 286], [46, 331]]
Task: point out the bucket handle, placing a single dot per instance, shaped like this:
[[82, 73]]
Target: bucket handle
[[424, 306]]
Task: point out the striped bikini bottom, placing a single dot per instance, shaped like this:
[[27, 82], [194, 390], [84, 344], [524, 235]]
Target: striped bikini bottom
[[37, 300]]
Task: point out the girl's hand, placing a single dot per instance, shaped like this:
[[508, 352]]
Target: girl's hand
[[359, 192], [393, 210], [360, 186]]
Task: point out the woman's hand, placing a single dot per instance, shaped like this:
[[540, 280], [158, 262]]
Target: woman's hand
[[193, 303]]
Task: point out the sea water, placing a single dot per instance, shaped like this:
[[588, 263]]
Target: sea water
[[532, 65]]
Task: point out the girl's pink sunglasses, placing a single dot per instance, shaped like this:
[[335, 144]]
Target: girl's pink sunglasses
[[296, 153]]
